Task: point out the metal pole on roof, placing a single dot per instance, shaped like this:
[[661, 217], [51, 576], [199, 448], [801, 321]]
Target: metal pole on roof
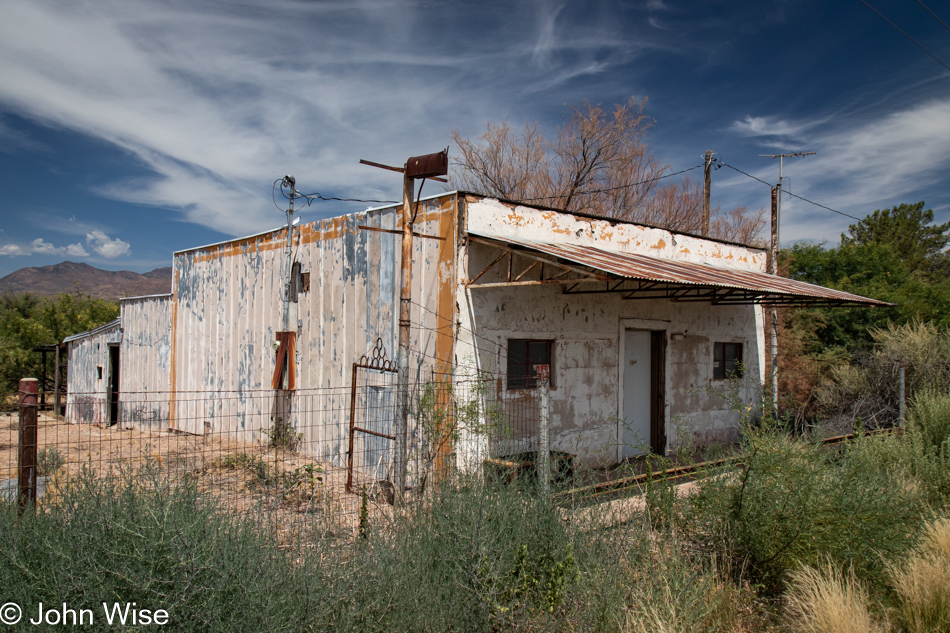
[[405, 303], [289, 181]]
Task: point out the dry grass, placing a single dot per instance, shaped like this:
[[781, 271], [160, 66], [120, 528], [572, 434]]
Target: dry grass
[[923, 582], [828, 601]]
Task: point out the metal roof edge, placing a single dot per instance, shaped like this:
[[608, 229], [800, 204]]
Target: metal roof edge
[[281, 228], [167, 294], [609, 220], [101, 328]]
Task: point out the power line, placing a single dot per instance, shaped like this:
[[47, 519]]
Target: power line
[[902, 32], [944, 24], [789, 193], [608, 189], [316, 196]]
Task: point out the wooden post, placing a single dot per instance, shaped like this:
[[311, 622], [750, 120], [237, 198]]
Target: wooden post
[[57, 380], [901, 407], [707, 182], [773, 313], [27, 444]]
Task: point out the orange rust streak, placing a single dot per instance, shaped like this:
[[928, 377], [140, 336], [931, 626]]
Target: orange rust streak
[[660, 244], [445, 311]]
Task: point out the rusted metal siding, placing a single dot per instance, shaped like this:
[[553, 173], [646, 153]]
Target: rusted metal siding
[[227, 306], [87, 398], [145, 361]]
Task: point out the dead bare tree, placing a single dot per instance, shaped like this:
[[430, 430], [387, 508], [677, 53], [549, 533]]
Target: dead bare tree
[[599, 164]]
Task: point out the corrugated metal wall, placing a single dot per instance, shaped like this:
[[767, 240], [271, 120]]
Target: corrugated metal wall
[[87, 399], [227, 307], [146, 361]]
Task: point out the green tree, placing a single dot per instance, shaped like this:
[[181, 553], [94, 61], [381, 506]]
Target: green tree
[[28, 321], [909, 231]]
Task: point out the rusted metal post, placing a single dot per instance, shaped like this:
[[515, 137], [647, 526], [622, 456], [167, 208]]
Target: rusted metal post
[[773, 313], [901, 407], [405, 303], [26, 450], [543, 373], [349, 453], [707, 182]]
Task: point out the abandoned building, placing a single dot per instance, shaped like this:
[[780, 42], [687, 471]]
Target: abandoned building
[[642, 328]]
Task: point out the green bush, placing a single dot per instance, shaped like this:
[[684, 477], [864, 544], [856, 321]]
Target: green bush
[[140, 539], [793, 502]]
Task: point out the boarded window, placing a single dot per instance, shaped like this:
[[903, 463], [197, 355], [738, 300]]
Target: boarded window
[[523, 355], [727, 360], [284, 374]]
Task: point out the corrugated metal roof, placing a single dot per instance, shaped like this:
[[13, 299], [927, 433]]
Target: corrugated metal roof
[[750, 286], [101, 328]]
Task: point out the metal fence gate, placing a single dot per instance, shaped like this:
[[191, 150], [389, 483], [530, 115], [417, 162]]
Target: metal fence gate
[[372, 416]]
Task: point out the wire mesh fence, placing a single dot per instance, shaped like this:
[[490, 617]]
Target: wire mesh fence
[[314, 457]]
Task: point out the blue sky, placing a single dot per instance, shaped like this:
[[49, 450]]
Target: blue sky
[[133, 128]]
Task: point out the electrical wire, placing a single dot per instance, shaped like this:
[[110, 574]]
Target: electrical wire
[[316, 196], [789, 193], [608, 189], [901, 31], [944, 24]]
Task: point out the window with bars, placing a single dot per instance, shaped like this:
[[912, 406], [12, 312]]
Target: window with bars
[[523, 355], [727, 360]]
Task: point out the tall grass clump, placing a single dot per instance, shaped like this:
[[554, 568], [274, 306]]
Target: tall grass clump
[[922, 582], [793, 503], [139, 538], [826, 600]]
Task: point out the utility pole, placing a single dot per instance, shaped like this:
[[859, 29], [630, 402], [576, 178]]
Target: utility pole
[[707, 181], [429, 166], [776, 224]]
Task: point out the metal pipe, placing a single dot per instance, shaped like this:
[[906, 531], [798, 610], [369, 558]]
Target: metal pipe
[[544, 442], [405, 304], [289, 180]]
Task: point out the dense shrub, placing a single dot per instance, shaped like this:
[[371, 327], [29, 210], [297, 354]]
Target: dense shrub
[[139, 539], [792, 503]]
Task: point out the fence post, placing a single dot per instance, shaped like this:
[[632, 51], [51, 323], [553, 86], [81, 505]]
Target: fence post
[[542, 372], [901, 408], [26, 449]]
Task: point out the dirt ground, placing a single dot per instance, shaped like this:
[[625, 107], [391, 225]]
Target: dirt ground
[[297, 493]]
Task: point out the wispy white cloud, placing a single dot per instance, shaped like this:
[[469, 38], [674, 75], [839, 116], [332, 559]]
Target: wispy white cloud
[[771, 126], [217, 104], [107, 247]]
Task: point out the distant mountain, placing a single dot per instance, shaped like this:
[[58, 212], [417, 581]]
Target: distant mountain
[[94, 282]]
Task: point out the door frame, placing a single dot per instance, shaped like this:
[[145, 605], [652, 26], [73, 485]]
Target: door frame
[[659, 407], [115, 375]]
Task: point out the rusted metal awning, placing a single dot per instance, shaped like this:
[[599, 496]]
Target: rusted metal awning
[[643, 277]]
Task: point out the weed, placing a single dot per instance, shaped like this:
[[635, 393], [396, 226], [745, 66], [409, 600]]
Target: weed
[[48, 461], [922, 582], [825, 600]]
